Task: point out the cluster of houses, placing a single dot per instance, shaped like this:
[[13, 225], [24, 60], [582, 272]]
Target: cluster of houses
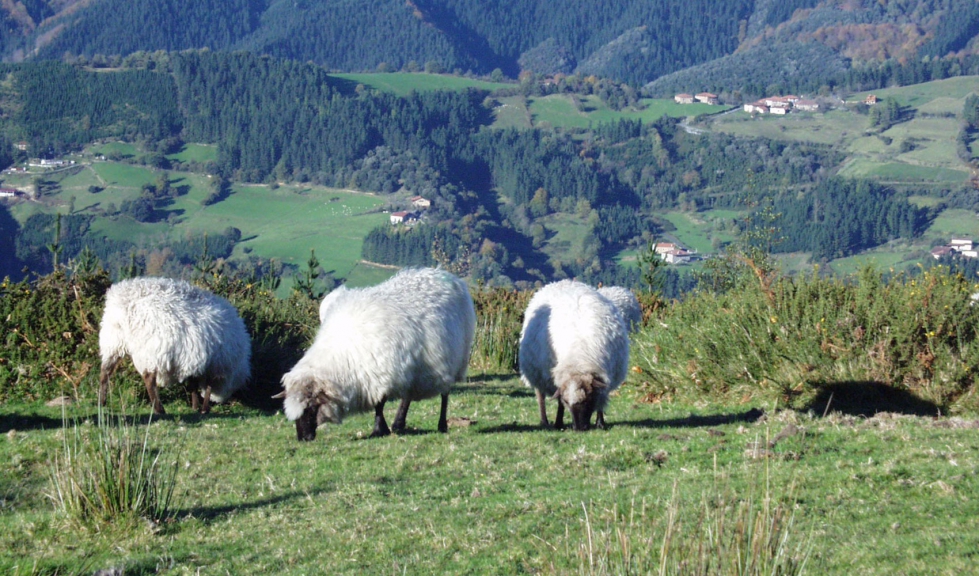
[[703, 97], [958, 246], [410, 217], [781, 105], [674, 253]]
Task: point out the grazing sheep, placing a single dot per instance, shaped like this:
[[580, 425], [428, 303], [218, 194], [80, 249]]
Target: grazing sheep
[[626, 302], [574, 346], [409, 338], [174, 332], [330, 300]]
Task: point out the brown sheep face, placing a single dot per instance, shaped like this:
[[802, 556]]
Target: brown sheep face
[[306, 424], [581, 394]]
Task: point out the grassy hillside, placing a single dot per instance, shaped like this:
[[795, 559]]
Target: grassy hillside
[[572, 111], [401, 83], [284, 223]]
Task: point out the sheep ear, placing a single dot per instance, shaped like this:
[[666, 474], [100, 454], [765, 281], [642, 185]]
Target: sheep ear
[[280, 395]]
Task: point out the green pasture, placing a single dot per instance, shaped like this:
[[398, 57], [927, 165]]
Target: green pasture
[[196, 153], [363, 274], [691, 231], [954, 222], [123, 149], [922, 94], [402, 83], [831, 127], [880, 259], [895, 171], [573, 111], [512, 112], [286, 223], [888, 495], [566, 235]]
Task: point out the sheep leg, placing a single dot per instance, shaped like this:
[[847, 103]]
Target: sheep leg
[[600, 421], [543, 409], [206, 400], [401, 416], [150, 380], [380, 425], [106, 373], [443, 422], [559, 419], [195, 400]]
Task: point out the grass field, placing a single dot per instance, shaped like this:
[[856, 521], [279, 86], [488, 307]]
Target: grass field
[[196, 153], [402, 83], [560, 110], [887, 495], [282, 224], [932, 131]]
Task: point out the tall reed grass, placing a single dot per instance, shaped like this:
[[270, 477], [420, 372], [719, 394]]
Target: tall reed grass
[[112, 472]]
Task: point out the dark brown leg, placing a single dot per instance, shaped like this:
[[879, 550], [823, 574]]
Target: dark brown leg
[[150, 380], [380, 425], [401, 416], [195, 400], [443, 422], [543, 409], [206, 400], [559, 419], [600, 421], [104, 377]]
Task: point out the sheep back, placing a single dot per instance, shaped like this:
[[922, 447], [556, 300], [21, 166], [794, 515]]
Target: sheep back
[[177, 331], [626, 302], [409, 337], [570, 329]]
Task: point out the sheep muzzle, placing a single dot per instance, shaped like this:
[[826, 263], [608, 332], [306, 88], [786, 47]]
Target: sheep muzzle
[[306, 424]]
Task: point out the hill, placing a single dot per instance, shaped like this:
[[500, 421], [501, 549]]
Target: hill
[[732, 43]]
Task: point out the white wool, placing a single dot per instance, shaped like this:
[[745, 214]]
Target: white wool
[[331, 299], [626, 302], [178, 331], [409, 337], [569, 328]]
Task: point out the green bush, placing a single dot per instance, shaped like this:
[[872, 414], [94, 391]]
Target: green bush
[[801, 340]]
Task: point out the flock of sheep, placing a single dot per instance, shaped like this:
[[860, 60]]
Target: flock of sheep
[[408, 338]]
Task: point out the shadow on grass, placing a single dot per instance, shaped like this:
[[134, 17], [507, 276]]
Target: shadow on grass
[[692, 421], [867, 399], [28, 422], [209, 514]]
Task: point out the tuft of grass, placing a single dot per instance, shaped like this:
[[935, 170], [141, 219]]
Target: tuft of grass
[[111, 473], [722, 533]]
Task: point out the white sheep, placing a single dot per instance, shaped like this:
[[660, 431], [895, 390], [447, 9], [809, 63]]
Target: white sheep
[[330, 299], [626, 302], [174, 332], [574, 346], [409, 338]]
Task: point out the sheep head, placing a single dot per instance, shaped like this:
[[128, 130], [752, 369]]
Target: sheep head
[[582, 394], [310, 403]]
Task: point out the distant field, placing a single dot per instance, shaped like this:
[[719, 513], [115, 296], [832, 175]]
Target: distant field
[[284, 224], [691, 231], [402, 83], [512, 112], [932, 131], [880, 260], [196, 153], [119, 148], [955, 223]]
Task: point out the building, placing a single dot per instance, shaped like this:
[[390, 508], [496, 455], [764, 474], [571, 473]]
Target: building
[[707, 98], [9, 192], [940, 251], [662, 248], [419, 202], [22, 145], [756, 107], [807, 105], [683, 98], [870, 100], [960, 244], [778, 102], [678, 256], [780, 110]]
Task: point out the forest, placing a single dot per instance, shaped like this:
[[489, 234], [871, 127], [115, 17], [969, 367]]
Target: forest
[[495, 192]]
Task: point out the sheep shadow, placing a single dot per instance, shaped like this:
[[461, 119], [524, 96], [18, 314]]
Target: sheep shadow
[[692, 421], [210, 514], [515, 427], [18, 422], [858, 398]]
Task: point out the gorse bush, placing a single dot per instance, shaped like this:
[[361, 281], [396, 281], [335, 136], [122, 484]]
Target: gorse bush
[[792, 339], [499, 317], [110, 473]]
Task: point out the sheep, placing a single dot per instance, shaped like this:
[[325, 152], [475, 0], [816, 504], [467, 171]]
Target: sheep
[[330, 299], [409, 337], [574, 346], [626, 302], [174, 332]]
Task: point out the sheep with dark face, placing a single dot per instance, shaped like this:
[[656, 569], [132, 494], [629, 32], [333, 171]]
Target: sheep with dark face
[[174, 332], [574, 346], [626, 302], [408, 338]]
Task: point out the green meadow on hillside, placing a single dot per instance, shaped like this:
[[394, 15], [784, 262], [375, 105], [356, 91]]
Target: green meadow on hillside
[[573, 111], [402, 83]]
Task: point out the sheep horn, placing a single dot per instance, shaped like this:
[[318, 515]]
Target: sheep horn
[[280, 395]]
